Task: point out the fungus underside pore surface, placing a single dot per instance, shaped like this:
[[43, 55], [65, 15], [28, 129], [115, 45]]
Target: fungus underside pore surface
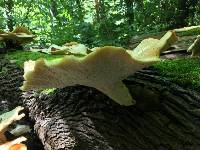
[[183, 71]]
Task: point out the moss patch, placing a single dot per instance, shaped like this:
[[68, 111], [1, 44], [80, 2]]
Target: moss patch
[[21, 56], [185, 71], [48, 91]]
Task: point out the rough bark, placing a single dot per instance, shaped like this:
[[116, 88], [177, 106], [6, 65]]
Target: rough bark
[[10, 79], [11, 96], [80, 118]]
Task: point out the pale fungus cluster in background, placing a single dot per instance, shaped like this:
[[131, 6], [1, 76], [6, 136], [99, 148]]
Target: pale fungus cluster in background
[[20, 35]]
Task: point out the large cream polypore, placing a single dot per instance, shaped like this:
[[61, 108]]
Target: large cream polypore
[[103, 69]]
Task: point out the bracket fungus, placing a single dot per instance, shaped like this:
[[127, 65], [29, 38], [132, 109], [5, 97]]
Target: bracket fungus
[[71, 48], [103, 69], [5, 120], [195, 47], [19, 36]]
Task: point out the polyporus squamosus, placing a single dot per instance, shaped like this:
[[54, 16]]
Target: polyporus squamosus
[[195, 47], [5, 120], [72, 48], [20, 35], [103, 69]]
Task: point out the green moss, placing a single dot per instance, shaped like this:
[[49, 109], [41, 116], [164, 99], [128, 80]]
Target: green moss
[[21, 56], [185, 71], [48, 91]]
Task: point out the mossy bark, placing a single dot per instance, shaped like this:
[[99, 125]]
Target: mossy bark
[[165, 117]]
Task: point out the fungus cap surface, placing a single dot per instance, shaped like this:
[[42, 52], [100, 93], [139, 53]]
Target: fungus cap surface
[[20, 34]]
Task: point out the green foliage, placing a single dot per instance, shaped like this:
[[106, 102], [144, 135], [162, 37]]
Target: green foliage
[[182, 71], [48, 91], [99, 22], [21, 56]]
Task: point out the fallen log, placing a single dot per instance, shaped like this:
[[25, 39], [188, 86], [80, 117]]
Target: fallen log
[[166, 115]]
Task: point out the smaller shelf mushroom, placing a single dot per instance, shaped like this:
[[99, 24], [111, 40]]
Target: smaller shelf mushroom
[[18, 37], [72, 48], [195, 47], [5, 120]]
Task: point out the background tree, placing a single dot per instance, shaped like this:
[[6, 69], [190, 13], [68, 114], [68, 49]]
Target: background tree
[[8, 5]]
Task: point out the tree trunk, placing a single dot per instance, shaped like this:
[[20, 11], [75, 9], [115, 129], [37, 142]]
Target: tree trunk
[[80, 10], [100, 11], [165, 117], [129, 11], [9, 10], [186, 10], [192, 8], [183, 14]]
